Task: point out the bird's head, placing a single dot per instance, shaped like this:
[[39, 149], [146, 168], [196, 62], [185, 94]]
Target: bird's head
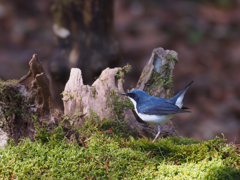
[[136, 95]]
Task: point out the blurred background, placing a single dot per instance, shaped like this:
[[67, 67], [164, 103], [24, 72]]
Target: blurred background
[[205, 33]]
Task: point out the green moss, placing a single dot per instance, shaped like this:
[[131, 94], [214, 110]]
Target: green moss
[[94, 91], [10, 97], [12, 104], [171, 57], [43, 135], [142, 75], [118, 105], [91, 124], [79, 113], [155, 52], [67, 96], [122, 71], [105, 157]]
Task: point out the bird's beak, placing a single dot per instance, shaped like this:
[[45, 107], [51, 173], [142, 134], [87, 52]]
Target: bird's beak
[[124, 94]]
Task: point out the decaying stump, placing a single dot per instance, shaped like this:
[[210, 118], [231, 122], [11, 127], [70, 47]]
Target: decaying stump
[[28, 102], [37, 90], [103, 99], [19, 101]]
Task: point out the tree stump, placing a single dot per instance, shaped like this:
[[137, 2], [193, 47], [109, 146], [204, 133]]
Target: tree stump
[[26, 102], [103, 96]]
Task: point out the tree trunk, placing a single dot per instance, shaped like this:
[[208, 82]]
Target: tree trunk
[[85, 39]]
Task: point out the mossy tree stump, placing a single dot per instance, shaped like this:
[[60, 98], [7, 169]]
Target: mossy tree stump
[[103, 99], [28, 102]]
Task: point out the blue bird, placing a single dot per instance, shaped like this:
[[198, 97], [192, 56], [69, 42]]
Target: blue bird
[[156, 110]]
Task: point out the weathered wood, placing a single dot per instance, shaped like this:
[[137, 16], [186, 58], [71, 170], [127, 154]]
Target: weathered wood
[[22, 102], [84, 99], [37, 90], [156, 77], [19, 101]]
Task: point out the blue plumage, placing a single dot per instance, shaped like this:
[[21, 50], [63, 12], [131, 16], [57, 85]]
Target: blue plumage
[[156, 110]]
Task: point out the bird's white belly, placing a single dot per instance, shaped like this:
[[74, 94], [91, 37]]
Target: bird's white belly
[[155, 119], [152, 119]]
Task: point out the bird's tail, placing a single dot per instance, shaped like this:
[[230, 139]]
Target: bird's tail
[[177, 100]]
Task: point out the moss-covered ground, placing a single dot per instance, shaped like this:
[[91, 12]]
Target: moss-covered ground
[[106, 155], [106, 151]]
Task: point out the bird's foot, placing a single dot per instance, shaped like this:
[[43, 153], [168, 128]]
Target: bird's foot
[[157, 136], [155, 139]]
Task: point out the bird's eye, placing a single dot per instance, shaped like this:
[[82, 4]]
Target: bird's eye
[[132, 95]]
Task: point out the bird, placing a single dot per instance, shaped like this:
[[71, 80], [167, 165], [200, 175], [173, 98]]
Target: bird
[[156, 110]]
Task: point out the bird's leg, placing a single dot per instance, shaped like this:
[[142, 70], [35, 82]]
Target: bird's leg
[[159, 132]]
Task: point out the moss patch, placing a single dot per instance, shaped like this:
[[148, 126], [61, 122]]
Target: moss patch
[[118, 104], [12, 105], [10, 97], [114, 157], [122, 71]]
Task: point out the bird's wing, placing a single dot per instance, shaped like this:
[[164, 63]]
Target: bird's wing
[[177, 100], [164, 108]]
